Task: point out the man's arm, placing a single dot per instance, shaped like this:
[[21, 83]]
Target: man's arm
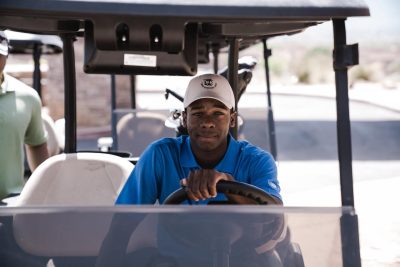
[[202, 184], [36, 155]]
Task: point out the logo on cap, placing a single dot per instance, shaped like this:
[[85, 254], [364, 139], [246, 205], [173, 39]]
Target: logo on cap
[[208, 83]]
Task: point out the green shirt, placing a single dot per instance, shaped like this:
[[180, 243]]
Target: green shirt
[[20, 123]]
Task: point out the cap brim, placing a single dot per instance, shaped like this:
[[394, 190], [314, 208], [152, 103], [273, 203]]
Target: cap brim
[[4, 50], [210, 97]]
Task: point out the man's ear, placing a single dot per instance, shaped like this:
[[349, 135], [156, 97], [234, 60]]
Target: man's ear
[[184, 119], [233, 117]]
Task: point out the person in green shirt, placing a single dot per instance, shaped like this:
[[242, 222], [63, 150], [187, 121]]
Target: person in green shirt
[[20, 123]]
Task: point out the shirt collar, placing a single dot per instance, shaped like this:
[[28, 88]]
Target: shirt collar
[[187, 158], [227, 164]]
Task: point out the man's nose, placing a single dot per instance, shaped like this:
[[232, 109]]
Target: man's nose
[[207, 122]]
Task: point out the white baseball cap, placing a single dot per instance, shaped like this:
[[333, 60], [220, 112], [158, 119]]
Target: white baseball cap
[[209, 86], [3, 44]]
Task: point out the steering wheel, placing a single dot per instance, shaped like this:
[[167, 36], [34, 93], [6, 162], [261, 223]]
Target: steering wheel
[[261, 231], [228, 187], [174, 224]]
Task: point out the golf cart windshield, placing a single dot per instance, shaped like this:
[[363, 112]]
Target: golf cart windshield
[[205, 233]]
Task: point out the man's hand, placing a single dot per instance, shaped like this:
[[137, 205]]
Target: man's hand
[[202, 184]]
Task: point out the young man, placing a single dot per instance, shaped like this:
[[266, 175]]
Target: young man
[[204, 157], [20, 123]]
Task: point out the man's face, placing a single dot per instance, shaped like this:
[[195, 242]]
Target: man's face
[[4, 50], [208, 122], [3, 60]]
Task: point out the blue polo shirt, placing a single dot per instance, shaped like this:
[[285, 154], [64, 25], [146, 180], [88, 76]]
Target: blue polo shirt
[[165, 162]]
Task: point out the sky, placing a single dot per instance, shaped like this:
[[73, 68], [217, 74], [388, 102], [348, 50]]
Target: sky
[[383, 25]]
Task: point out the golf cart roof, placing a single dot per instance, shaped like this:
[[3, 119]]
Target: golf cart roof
[[24, 43], [206, 11], [179, 34]]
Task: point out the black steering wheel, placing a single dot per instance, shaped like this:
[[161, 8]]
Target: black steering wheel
[[229, 187], [122, 225], [238, 232]]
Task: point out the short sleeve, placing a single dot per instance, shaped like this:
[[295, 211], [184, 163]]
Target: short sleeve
[[35, 133], [263, 173]]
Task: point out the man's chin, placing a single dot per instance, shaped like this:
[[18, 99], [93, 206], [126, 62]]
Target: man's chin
[[207, 145]]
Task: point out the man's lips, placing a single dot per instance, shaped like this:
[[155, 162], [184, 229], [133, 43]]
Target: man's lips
[[207, 135]]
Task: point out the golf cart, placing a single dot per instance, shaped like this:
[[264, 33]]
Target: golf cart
[[65, 214]]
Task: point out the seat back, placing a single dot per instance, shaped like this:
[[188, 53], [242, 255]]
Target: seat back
[[69, 180], [59, 126], [53, 140], [137, 129], [78, 179]]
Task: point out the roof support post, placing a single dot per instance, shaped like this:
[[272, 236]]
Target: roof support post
[[69, 92], [271, 122], [215, 52], [345, 56], [133, 90], [37, 74], [341, 61], [113, 115], [233, 67]]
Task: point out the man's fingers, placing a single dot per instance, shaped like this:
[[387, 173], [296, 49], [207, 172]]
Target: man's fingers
[[210, 182], [190, 195], [212, 189], [184, 183], [204, 185], [193, 185]]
